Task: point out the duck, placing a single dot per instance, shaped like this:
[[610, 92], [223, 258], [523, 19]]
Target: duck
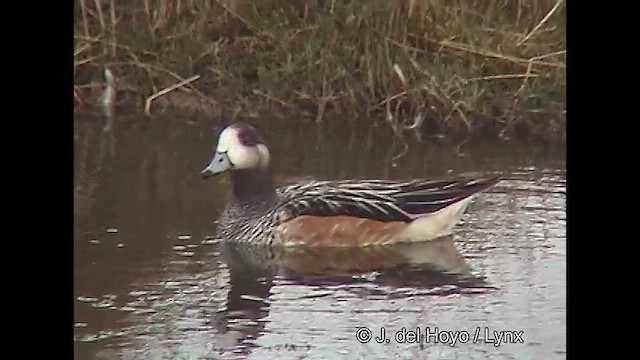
[[329, 213]]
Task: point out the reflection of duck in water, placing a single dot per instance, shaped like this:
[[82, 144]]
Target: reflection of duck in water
[[430, 268], [344, 213], [438, 261]]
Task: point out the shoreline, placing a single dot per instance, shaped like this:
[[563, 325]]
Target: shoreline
[[491, 68]]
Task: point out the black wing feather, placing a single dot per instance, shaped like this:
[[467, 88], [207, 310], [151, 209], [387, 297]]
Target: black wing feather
[[379, 199]]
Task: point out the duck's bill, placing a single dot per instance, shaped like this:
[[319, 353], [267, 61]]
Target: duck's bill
[[219, 164]]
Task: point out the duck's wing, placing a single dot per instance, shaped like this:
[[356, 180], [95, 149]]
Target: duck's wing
[[380, 200]]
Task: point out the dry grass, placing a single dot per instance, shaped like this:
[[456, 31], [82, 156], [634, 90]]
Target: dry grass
[[461, 63]]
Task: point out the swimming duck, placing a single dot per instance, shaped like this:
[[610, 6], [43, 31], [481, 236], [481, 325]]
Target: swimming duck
[[341, 213]]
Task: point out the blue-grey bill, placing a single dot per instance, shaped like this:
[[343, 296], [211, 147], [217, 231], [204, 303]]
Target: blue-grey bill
[[219, 164]]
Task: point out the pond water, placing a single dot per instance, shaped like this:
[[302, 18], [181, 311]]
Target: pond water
[[151, 282]]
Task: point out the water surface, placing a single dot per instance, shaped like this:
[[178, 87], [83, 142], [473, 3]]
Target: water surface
[[152, 283]]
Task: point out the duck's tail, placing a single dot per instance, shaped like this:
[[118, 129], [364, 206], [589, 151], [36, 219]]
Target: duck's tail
[[439, 221]]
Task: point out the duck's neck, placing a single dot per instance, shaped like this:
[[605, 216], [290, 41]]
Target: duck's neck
[[252, 184]]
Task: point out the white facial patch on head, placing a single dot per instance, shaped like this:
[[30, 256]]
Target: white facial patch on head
[[241, 156]]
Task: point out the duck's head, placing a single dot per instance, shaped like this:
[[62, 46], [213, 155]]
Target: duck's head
[[239, 147]]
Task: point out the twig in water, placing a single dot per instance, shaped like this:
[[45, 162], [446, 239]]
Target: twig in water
[[404, 152], [417, 121], [459, 152], [147, 105], [149, 67]]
